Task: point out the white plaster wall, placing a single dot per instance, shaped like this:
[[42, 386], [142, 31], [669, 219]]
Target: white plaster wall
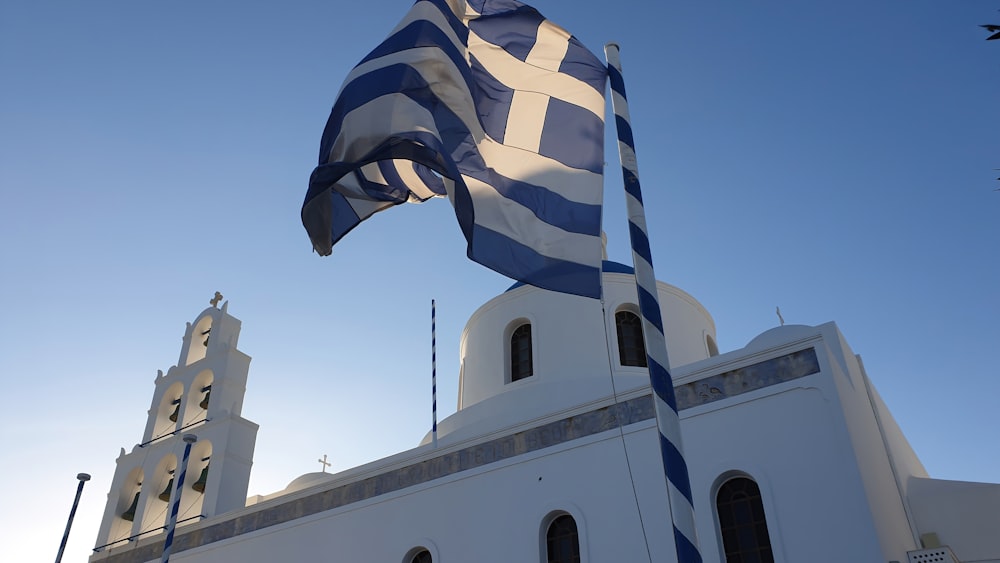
[[870, 447], [812, 492], [815, 501], [493, 514], [965, 516]]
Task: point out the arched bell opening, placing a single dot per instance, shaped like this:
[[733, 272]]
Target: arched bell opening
[[127, 506], [198, 398], [168, 412], [201, 333], [196, 482], [158, 488]]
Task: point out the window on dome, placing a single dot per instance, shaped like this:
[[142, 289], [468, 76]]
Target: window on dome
[[742, 522], [422, 556], [562, 541], [520, 353], [631, 348]]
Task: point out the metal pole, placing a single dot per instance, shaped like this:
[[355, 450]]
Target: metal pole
[[83, 477], [176, 496], [667, 421], [434, 392]]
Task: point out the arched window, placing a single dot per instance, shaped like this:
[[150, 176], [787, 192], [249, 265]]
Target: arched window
[[742, 522], [631, 348], [562, 541], [422, 556], [520, 353]]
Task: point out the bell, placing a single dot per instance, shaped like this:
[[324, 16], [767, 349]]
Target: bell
[[204, 402], [129, 513], [177, 410], [199, 485], [165, 495]]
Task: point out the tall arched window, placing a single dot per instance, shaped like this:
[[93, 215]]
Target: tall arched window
[[422, 556], [742, 522], [631, 348], [562, 541], [520, 353]]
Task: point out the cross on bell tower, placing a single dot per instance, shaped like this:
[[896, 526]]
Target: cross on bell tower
[[202, 394]]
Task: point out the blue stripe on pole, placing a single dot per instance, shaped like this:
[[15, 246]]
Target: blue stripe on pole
[[462, 88], [661, 383], [175, 508], [624, 131], [652, 307], [617, 81], [631, 184], [668, 422], [686, 551], [673, 460], [640, 242]]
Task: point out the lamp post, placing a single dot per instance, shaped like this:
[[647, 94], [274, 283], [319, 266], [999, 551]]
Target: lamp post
[[83, 477]]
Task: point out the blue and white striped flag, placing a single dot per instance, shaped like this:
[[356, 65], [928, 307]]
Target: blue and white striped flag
[[492, 105]]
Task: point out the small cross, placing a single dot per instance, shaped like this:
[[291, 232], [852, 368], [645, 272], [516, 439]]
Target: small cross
[[215, 300], [324, 462]]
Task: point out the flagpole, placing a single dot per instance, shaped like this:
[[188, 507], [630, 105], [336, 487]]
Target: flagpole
[[667, 420], [83, 478], [168, 544], [434, 392]]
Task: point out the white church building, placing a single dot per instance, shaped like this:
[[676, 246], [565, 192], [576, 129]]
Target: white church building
[[553, 455]]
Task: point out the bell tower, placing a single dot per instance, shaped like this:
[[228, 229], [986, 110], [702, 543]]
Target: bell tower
[[201, 395]]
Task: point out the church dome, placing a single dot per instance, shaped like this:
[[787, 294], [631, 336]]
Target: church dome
[[530, 352], [307, 480], [780, 335]]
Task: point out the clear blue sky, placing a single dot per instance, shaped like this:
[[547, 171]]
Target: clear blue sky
[[834, 159]]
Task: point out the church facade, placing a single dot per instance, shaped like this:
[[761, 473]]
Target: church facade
[[553, 454]]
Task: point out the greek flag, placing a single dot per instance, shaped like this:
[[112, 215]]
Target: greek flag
[[490, 104]]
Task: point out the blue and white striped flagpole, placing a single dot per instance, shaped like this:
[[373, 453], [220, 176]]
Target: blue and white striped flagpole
[[667, 420], [434, 387], [168, 544]]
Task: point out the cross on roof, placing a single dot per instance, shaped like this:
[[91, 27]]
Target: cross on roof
[[215, 300], [324, 462]]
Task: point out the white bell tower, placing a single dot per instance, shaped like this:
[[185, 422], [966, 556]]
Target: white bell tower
[[201, 395]]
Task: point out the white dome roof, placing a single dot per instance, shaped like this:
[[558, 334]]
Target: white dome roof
[[780, 335], [574, 349]]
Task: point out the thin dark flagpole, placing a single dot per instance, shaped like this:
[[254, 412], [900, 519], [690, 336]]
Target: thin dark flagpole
[[434, 392], [667, 420]]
